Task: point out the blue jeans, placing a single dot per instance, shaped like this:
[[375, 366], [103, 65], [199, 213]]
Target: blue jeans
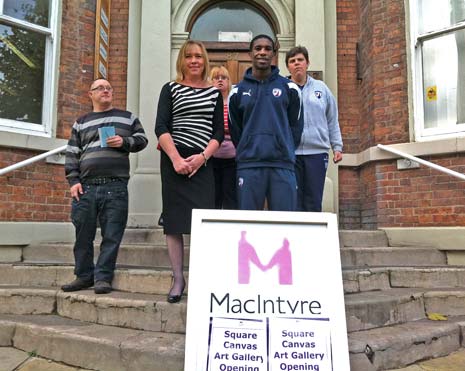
[[107, 203]]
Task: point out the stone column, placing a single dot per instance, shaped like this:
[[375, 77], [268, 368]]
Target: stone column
[[315, 23], [149, 66]]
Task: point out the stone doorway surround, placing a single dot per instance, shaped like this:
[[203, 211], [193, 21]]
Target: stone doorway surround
[[156, 32]]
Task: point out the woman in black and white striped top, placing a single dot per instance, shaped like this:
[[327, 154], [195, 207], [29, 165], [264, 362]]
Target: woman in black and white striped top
[[189, 127]]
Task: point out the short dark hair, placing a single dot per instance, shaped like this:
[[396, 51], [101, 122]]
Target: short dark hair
[[297, 50], [262, 36]]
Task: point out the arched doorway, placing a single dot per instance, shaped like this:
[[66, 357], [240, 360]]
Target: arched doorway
[[226, 28]]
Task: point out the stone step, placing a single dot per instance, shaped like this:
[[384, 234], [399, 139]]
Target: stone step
[[454, 361], [377, 309], [152, 236], [93, 346], [122, 309], [103, 348], [359, 238], [147, 255], [151, 312], [158, 281], [383, 278], [401, 345], [12, 359], [142, 255], [137, 280], [391, 256], [374, 309]]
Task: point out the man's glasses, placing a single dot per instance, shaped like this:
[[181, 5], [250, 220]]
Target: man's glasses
[[220, 77], [102, 88]]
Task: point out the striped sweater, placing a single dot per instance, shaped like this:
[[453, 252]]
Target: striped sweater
[[193, 116], [85, 158]]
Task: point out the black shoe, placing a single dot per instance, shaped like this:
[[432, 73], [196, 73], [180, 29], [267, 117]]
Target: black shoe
[[102, 287], [175, 298], [78, 284]]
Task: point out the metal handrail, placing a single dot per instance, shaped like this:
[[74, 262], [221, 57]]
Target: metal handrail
[[423, 162], [32, 160]]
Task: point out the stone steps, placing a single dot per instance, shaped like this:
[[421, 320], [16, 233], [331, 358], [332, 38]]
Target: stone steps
[[121, 309], [137, 280], [363, 238], [149, 255], [380, 309], [101, 347], [451, 362], [93, 346], [384, 278], [158, 281], [391, 256], [397, 346], [141, 255], [389, 291], [364, 311]]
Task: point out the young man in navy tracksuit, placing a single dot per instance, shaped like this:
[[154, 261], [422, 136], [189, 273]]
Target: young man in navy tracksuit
[[265, 126]]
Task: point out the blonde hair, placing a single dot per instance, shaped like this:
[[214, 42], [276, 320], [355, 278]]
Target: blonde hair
[[220, 70], [181, 61]]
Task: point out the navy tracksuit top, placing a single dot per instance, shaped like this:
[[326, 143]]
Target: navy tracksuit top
[[265, 122]]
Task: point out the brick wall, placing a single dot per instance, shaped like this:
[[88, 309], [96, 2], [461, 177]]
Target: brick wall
[[374, 109], [348, 86], [33, 193], [421, 197], [39, 192]]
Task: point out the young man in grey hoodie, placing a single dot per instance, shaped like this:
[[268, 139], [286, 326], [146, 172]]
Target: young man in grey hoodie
[[321, 132]]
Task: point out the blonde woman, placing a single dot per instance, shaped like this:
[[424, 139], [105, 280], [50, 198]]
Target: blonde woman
[[189, 127], [224, 160]]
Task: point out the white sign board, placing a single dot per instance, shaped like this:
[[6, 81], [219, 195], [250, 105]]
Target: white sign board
[[225, 36], [265, 293]]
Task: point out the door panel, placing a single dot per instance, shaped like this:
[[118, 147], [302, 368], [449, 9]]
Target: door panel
[[236, 62]]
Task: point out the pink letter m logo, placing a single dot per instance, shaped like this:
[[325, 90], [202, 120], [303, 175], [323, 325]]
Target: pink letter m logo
[[282, 259]]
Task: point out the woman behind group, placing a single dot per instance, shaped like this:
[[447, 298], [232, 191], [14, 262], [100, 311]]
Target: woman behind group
[[189, 127], [224, 160]]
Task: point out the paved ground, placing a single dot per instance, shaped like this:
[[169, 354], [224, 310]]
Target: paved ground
[[16, 360], [453, 362]]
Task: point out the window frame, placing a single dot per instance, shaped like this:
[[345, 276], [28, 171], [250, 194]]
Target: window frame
[[416, 40], [45, 128]]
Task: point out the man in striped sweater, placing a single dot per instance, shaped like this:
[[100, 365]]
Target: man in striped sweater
[[97, 169]]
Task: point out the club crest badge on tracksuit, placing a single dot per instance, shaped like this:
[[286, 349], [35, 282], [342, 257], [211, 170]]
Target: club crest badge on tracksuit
[[318, 94], [277, 92]]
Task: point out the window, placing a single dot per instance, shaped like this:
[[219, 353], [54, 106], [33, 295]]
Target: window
[[230, 17], [438, 30], [28, 58]]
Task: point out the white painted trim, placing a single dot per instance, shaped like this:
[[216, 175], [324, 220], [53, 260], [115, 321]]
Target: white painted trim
[[416, 68], [32, 142], [12, 21], [49, 93], [450, 146]]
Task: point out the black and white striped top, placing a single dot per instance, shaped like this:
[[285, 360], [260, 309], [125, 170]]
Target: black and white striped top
[[193, 116]]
